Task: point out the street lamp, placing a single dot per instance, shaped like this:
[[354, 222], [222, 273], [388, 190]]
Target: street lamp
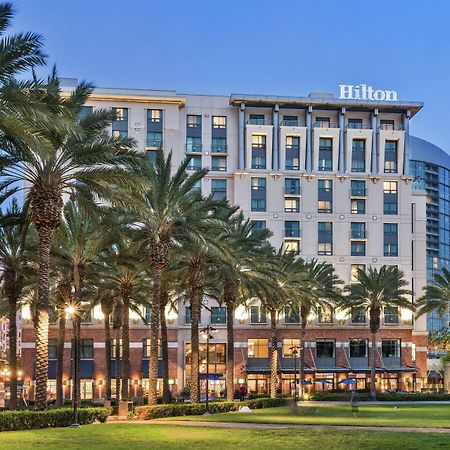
[[207, 332], [73, 313], [294, 351]]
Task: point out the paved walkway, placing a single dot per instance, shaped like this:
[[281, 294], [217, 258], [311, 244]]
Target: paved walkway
[[186, 423]]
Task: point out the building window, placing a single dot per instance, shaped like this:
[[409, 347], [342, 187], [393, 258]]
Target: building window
[[120, 114], [290, 121], [390, 157], [147, 314], [219, 189], [218, 315], [292, 153], [219, 122], [258, 314], [258, 348], [356, 124], [218, 163], [258, 225], [358, 188], [85, 111], [390, 197], [197, 186], [154, 115], [325, 349], [325, 154], [120, 134], [193, 121], [390, 239], [291, 315], [358, 314], [322, 122], [187, 315], [324, 315], [358, 248], [216, 358], [258, 202], [195, 163], [146, 348], [256, 119], [387, 125], [358, 230], [292, 186], [358, 155], [258, 151], [325, 238], [354, 273], [358, 206], [292, 229], [86, 348], [325, 196], [390, 348], [289, 345], [114, 348], [390, 314], [358, 348], [219, 145], [154, 139], [292, 246], [193, 144], [292, 205], [52, 349]]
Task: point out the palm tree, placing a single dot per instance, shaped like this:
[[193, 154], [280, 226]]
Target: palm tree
[[14, 267], [437, 295], [107, 306], [373, 291], [168, 214], [79, 158], [313, 286]]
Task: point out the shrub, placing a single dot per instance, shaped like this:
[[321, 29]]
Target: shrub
[[382, 397], [56, 417], [197, 409]]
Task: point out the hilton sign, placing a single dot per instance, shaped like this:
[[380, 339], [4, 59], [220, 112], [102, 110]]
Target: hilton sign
[[364, 92]]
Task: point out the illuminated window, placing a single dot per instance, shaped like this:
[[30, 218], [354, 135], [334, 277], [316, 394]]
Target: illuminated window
[[258, 348], [289, 345]]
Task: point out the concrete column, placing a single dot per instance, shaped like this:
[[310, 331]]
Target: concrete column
[[309, 152], [241, 137], [374, 153], [406, 117], [341, 163], [276, 138]]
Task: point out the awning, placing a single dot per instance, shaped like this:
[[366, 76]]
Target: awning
[[348, 381], [434, 375], [211, 376]]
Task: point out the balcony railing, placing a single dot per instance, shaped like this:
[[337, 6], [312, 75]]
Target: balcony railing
[[358, 126], [289, 123], [219, 148], [154, 143], [324, 124], [358, 192], [193, 148], [390, 127], [292, 190], [292, 232], [358, 234], [258, 122]]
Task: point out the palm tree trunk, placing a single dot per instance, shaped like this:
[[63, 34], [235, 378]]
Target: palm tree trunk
[[373, 389], [12, 316], [154, 335], [195, 300], [229, 379], [302, 358], [45, 241], [78, 331], [60, 356], [273, 353], [165, 353], [107, 357], [126, 344], [118, 371]]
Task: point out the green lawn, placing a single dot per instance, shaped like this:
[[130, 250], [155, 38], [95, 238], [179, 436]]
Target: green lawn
[[143, 436], [377, 415]]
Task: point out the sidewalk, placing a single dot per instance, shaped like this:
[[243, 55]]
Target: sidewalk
[[281, 426]]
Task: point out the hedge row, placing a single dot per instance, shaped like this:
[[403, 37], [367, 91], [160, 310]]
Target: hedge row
[[382, 397], [197, 409], [57, 417]]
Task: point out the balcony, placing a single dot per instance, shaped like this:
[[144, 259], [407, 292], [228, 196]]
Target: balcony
[[258, 121], [219, 148], [292, 190], [292, 233], [154, 143], [390, 127], [358, 126], [289, 123], [193, 148], [324, 124], [358, 192], [358, 234]]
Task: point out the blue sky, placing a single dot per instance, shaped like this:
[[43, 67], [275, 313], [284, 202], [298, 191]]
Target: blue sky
[[266, 47]]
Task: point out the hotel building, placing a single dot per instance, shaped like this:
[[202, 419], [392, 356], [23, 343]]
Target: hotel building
[[331, 179]]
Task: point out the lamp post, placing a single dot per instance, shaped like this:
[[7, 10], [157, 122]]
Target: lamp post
[[73, 313], [207, 332], [294, 351]]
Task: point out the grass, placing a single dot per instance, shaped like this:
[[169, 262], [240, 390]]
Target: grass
[[143, 436], [430, 415]]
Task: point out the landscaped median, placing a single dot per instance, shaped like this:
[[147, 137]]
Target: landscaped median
[[381, 397], [197, 409], [55, 417]]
